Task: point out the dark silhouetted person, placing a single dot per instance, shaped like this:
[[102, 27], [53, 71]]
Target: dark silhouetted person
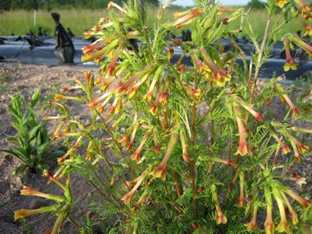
[[40, 34], [64, 48], [70, 33]]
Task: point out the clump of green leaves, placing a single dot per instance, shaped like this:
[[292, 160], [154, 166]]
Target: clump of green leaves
[[176, 149], [32, 144]]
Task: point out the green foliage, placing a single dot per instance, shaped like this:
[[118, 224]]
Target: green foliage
[[175, 149], [32, 145], [256, 4]]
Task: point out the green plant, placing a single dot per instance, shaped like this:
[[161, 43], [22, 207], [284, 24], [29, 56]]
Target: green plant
[[32, 145], [176, 149]]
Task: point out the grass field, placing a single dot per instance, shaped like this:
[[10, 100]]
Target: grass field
[[20, 22]]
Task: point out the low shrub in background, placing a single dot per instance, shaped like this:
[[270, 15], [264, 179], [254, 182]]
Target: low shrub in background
[[32, 145], [176, 149]]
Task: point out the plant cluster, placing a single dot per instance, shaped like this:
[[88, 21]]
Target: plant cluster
[[177, 149], [32, 146]]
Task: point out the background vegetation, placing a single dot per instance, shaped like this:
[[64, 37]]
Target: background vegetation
[[20, 22]]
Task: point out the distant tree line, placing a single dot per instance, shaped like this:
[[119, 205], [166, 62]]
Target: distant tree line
[[59, 4]]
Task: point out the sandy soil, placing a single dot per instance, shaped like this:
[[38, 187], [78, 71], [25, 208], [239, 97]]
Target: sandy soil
[[26, 79]]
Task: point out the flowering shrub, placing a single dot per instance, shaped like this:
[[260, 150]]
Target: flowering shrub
[[178, 149]]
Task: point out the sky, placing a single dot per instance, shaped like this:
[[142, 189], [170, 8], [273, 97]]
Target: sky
[[223, 2]]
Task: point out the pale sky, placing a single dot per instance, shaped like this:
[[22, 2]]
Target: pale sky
[[223, 2]]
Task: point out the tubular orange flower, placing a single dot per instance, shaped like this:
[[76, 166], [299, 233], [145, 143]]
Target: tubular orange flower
[[111, 5], [136, 155], [89, 48], [185, 155], [290, 63], [135, 128], [293, 214], [295, 110], [249, 108], [154, 107], [281, 3], [133, 90], [99, 53], [305, 46], [283, 225], [28, 191], [268, 224], [252, 225], [186, 18], [241, 200], [23, 213], [305, 8], [303, 202], [285, 148], [220, 217], [93, 103], [163, 98], [220, 77], [160, 171], [127, 197], [243, 147]]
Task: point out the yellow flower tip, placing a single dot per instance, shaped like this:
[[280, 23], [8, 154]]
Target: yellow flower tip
[[136, 156], [241, 203], [251, 226], [160, 172], [243, 149], [58, 97], [283, 227], [220, 78], [269, 227], [153, 109], [280, 3], [21, 214], [88, 34], [163, 98], [290, 64], [285, 149], [127, 198], [303, 148], [294, 217], [28, 191], [220, 218]]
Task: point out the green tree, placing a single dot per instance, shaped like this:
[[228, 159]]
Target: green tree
[[5, 5], [256, 4]]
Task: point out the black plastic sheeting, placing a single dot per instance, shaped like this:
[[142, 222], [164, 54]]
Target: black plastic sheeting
[[12, 50]]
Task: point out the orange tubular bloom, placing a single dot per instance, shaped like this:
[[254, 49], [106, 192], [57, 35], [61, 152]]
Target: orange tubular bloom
[[295, 110], [154, 107], [89, 48], [285, 148], [252, 225], [160, 171], [220, 217], [23, 213], [186, 18], [283, 226], [269, 224], [293, 214], [111, 5], [28, 191], [241, 200], [303, 45], [305, 8], [185, 155], [290, 63], [127, 197], [136, 155], [243, 147], [303, 202], [220, 77], [93, 103], [249, 108]]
